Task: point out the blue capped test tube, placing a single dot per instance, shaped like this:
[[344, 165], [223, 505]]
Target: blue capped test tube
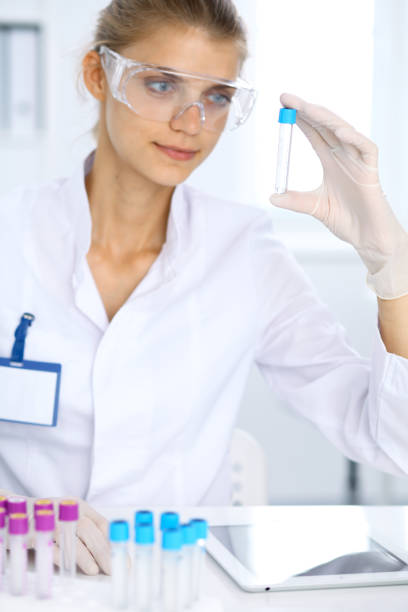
[[144, 566], [287, 117], [188, 532], [171, 568], [201, 531], [119, 537]]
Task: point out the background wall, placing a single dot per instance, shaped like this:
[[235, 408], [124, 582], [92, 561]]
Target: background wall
[[316, 50]]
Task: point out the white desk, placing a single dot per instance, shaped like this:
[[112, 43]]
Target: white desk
[[223, 590]]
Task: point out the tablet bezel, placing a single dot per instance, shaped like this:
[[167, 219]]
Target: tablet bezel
[[252, 583]]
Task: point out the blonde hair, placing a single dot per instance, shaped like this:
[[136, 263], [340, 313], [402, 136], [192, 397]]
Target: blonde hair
[[124, 22]]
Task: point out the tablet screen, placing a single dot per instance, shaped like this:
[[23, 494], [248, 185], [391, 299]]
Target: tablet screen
[[277, 550]]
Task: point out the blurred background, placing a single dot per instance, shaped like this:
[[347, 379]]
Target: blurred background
[[349, 56]]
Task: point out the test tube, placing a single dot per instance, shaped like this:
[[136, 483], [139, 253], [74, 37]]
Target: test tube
[[18, 529], [169, 520], [189, 539], [119, 537], [16, 505], [171, 557], [287, 117], [44, 526], [2, 545], [143, 517], [43, 504], [68, 515], [143, 567], [201, 530]]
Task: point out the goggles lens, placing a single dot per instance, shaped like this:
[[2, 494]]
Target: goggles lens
[[161, 95]]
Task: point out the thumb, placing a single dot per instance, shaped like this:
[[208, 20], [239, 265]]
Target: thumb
[[298, 201]]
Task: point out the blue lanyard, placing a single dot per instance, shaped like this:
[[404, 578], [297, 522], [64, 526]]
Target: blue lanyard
[[17, 354]]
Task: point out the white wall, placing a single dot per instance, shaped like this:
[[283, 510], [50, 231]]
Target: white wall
[[315, 49]]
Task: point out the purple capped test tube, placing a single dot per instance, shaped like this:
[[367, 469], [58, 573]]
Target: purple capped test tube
[[18, 530]]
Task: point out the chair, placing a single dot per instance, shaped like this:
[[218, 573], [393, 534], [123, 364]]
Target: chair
[[249, 470]]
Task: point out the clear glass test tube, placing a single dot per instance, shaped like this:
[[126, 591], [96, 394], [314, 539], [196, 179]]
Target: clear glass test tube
[[201, 530], [189, 539], [287, 117], [18, 530], [44, 562], [68, 515], [143, 567], [119, 538], [2, 546], [171, 558], [168, 520]]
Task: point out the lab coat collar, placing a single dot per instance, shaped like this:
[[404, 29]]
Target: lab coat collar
[[58, 237]]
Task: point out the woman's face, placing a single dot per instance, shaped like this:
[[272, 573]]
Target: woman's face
[[140, 143]]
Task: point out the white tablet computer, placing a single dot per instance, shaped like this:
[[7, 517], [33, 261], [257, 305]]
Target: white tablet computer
[[311, 547]]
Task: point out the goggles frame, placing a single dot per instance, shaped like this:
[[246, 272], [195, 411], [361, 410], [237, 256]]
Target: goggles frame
[[115, 66]]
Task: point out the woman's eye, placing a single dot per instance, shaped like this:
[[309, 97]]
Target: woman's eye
[[219, 99], [159, 86]]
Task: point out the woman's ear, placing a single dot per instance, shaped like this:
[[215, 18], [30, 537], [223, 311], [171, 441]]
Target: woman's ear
[[94, 76]]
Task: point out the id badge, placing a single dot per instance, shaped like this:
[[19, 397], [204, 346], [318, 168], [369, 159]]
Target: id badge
[[29, 389]]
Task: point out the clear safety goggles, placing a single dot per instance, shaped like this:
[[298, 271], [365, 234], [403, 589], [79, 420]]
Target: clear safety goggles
[[161, 94]]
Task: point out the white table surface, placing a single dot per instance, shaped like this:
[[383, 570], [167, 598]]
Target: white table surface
[[222, 594]]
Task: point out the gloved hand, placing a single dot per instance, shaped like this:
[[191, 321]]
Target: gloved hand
[[350, 201], [93, 548]]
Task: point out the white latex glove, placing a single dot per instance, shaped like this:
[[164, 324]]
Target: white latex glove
[[350, 201], [93, 548]]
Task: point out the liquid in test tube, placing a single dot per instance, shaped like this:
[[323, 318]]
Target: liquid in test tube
[[2, 545], [171, 582], [68, 514], [119, 538], [143, 567], [44, 527], [18, 529], [201, 530], [287, 117]]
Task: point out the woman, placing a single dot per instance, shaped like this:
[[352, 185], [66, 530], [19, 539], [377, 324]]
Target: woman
[[156, 299]]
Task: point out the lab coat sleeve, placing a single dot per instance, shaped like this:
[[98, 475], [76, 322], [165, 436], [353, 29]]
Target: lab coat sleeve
[[360, 404]]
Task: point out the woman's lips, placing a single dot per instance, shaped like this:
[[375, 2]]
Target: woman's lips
[[180, 154]]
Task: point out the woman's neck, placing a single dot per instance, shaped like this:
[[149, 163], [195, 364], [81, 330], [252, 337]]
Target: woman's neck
[[129, 212]]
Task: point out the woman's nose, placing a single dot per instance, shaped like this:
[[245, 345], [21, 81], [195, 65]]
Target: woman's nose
[[189, 119]]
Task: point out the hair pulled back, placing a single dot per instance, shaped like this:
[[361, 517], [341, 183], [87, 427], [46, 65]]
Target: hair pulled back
[[124, 22]]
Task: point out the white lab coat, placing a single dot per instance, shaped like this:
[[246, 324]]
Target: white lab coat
[[149, 401]]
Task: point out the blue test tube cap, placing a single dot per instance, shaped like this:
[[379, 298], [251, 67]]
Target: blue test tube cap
[[201, 528], [169, 520], [119, 531], [144, 533], [287, 115], [172, 539], [143, 517], [189, 534]]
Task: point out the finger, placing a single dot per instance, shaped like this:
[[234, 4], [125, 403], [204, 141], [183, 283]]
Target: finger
[[84, 559], [319, 144], [96, 542], [97, 518], [314, 114], [306, 202]]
